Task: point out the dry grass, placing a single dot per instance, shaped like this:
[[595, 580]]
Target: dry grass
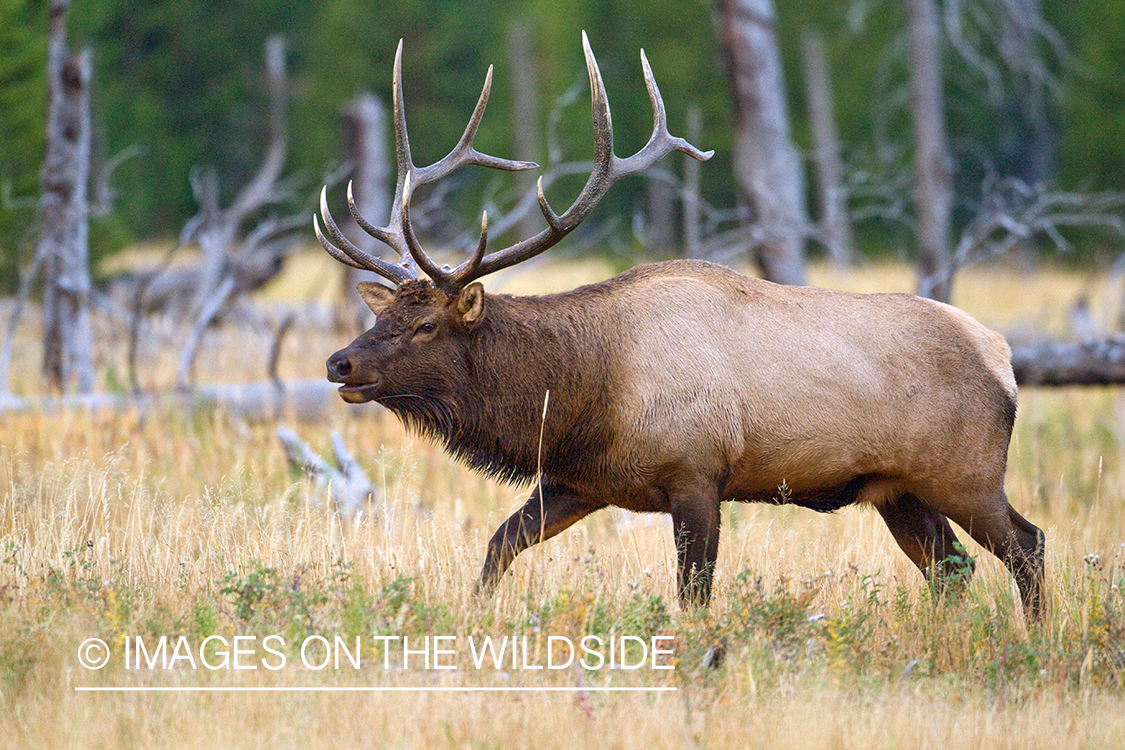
[[114, 526]]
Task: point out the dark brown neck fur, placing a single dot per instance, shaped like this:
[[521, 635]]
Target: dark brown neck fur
[[489, 413]]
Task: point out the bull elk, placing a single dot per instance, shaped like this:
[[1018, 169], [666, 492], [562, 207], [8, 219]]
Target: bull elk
[[676, 386]]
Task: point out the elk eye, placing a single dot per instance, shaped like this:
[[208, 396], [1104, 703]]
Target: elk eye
[[427, 327]]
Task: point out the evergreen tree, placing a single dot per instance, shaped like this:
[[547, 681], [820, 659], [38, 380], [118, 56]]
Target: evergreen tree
[[23, 60]]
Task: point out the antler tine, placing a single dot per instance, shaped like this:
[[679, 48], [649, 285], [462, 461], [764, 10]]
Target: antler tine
[[399, 233], [439, 277], [607, 169], [661, 142], [464, 153], [343, 250], [471, 272], [402, 139], [379, 233], [599, 105]]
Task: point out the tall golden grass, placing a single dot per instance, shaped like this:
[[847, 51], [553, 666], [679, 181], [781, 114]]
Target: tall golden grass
[[117, 525]]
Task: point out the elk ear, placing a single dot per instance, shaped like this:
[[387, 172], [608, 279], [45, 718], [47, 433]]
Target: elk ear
[[377, 296], [470, 304]]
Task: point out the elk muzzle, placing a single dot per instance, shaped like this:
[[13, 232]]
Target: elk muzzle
[[352, 390]]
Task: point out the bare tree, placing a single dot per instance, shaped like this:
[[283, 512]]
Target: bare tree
[[767, 165], [216, 230], [933, 191], [64, 213], [835, 223], [1015, 52], [526, 141], [227, 273], [365, 134]]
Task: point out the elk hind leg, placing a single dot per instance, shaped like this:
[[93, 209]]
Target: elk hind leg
[[928, 540], [1016, 541]]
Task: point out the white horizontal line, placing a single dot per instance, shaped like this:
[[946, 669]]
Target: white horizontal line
[[368, 689]]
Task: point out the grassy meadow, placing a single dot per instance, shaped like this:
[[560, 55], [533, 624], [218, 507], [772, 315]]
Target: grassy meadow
[[126, 526]]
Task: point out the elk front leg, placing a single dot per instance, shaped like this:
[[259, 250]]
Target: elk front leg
[[695, 523], [548, 511]]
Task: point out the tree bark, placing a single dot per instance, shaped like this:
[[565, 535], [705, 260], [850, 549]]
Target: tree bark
[[767, 165], [525, 115], [835, 225], [693, 224], [64, 214], [365, 139], [1087, 363], [933, 197]]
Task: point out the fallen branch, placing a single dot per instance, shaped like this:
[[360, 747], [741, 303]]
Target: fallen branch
[[304, 400], [348, 486], [1100, 362]]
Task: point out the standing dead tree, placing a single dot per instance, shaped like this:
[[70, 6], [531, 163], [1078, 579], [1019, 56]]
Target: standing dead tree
[[1016, 54], [835, 229], [767, 165], [64, 214], [525, 110], [231, 268], [933, 190], [369, 168]]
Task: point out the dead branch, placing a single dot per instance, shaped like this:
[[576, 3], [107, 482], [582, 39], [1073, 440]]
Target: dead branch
[[349, 489], [27, 279], [305, 399], [104, 194], [1012, 212], [275, 349]]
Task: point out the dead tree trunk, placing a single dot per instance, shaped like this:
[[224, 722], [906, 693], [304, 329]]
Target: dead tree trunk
[[365, 131], [835, 226], [693, 226], [525, 114], [767, 164], [933, 196], [1100, 362], [216, 230], [63, 211], [225, 274]]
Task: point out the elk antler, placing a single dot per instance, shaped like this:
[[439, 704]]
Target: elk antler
[[608, 168]]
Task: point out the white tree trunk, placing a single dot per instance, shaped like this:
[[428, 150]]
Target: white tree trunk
[[933, 196], [526, 141], [693, 224], [835, 225], [767, 165], [64, 213], [365, 136]]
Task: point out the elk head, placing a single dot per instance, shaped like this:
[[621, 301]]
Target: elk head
[[420, 322]]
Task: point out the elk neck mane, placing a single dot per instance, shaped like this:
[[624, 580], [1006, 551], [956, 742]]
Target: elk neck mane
[[527, 353]]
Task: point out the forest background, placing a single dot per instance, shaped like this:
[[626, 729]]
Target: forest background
[[179, 85]]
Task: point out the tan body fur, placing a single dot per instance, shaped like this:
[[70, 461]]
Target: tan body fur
[[771, 385], [678, 385]]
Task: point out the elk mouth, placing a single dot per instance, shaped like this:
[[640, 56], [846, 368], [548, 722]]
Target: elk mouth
[[358, 394]]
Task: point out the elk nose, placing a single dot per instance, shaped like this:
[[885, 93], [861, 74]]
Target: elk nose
[[339, 367]]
